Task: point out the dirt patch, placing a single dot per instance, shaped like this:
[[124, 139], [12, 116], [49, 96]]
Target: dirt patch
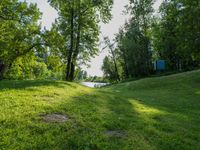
[[115, 133], [55, 118]]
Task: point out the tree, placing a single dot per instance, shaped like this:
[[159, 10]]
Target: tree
[[133, 41], [108, 69], [81, 74], [113, 56], [122, 52], [78, 23], [176, 34], [20, 32]]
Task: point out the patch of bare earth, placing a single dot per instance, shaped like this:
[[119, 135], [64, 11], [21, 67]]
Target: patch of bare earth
[[55, 118], [115, 133]]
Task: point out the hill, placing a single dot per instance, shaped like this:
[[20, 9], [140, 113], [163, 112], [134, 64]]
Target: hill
[[151, 113]]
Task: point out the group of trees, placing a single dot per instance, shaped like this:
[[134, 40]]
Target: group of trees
[[27, 51], [78, 26], [176, 34], [172, 35], [19, 34]]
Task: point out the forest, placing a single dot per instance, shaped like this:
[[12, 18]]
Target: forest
[[171, 35], [28, 51]]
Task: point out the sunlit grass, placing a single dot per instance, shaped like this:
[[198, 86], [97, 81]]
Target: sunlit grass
[[145, 110], [198, 92], [153, 113]]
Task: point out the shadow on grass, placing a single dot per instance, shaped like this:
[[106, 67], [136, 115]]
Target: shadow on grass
[[150, 120], [94, 114], [32, 83], [147, 124]]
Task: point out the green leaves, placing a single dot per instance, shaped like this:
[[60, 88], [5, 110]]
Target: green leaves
[[173, 35], [20, 32], [176, 34], [78, 25], [133, 41]]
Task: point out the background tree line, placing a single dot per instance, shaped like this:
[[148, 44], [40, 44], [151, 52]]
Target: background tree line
[[28, 52], [171, 35]]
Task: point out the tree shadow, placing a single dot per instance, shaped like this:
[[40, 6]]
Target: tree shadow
[[27, 84], [147, 120], [147, 123], [173, 113]]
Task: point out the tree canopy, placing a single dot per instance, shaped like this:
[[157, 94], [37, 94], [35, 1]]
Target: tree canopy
[[20, 32], [171, 35], [29, 52], [78, 24]]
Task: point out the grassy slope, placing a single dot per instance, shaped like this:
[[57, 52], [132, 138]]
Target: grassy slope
[[153, 113]]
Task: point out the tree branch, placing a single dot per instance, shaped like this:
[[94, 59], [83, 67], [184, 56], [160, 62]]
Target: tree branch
[[8, 19], [26, 51]]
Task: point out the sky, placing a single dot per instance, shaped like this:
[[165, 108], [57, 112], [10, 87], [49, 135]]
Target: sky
[[49, 15]]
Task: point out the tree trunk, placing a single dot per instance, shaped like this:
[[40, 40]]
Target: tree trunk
[[75, 55], [125, 65], [116, 69], [2, 69], [69, 59], [76, 52]]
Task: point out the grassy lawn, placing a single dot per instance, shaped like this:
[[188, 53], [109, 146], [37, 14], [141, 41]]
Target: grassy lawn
[[152, 113]]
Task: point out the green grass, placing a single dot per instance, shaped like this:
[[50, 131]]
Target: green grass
[[153, 113]]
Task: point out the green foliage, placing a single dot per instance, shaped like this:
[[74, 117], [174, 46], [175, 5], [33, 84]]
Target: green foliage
[[96, 79], [40, 70], [176, 34], [133, 50], [26, 52], [56, 67], [20, 32], [78, 25], [14, 72], [109, 70], [172, 35], [108, 61], [27, 67], [80, 75]]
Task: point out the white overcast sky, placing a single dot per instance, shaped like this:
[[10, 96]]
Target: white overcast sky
[[110, 29]]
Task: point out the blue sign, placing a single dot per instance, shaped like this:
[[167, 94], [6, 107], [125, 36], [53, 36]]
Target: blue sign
[[159, 65]]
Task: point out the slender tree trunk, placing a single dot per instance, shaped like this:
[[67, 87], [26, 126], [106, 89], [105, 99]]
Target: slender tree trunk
[[148, 56], [146, 50], [72, 70], [2, 69], [116, 69], [125, 65], [76, 52], [75, 55], [69, 59]]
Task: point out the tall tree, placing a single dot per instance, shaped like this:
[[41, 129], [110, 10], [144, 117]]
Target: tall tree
[[113, 56], [108, 69], [122, 52], [78, 22], [133, 40]]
